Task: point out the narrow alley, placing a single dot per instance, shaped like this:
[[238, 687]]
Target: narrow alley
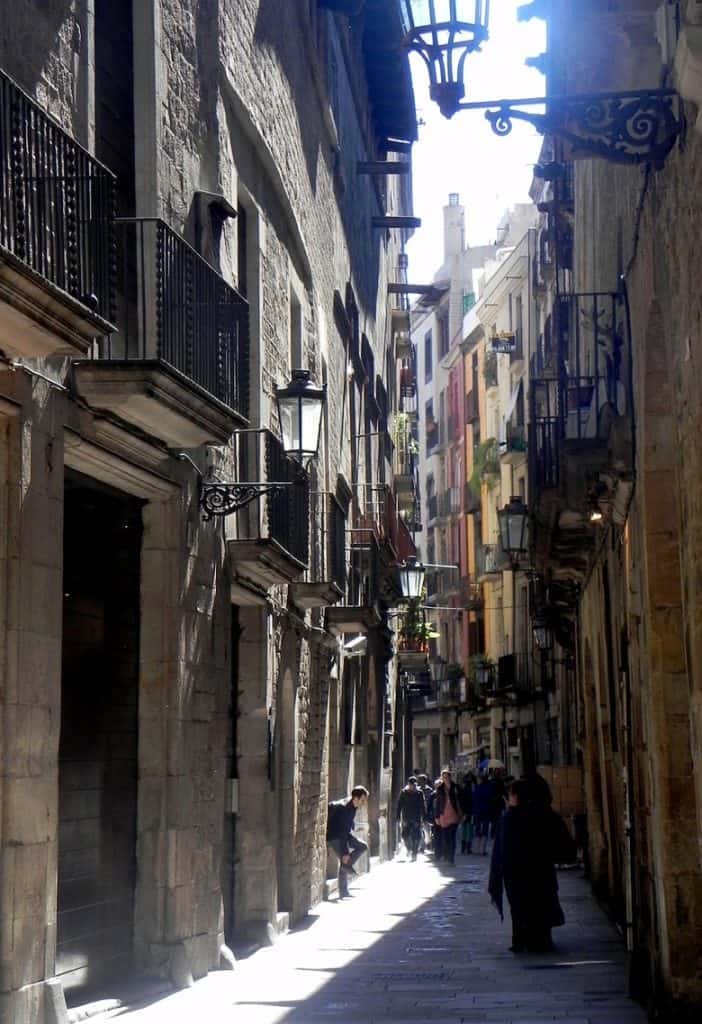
[[418, 943]]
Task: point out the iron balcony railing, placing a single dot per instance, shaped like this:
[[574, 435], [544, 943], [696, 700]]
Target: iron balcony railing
[[327, 560], [472, 410], [515, 439], [174, 307], [281, 515], [471, 594], [288, 508], [57, 203], [376, 513], [587, 390], [490, 559], [363, 578]]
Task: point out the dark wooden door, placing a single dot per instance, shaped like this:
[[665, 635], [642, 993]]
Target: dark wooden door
[[98, 743]]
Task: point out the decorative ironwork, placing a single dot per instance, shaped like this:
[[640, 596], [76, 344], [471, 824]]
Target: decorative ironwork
[[57, 203], [222, 499], [175, 307], [632, 127]]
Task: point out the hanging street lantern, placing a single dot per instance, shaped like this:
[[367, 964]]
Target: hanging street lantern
[[443, 33], [412, 579], [438, 669], [300, 408], [636, 126], [513, 520]]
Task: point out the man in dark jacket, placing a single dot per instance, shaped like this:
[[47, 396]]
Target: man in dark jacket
[[410, 813], [347, 847], [531, 839]]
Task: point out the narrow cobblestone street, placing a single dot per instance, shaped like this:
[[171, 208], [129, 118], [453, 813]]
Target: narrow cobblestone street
[[419, 943]]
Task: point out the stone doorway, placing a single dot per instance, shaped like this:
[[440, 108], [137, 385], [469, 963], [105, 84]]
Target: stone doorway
[[98, 740], [287, 774]]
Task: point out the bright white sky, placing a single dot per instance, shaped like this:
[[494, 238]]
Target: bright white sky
[[464, 155]]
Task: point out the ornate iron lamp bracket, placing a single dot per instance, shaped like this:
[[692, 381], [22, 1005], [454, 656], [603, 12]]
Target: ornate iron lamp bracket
[[635, 127], [222, 499]]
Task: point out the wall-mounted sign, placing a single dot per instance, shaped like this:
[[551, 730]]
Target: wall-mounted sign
[[504, 342]]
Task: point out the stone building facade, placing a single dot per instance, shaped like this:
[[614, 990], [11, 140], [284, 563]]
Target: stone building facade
[[184, 224], [617, 532]]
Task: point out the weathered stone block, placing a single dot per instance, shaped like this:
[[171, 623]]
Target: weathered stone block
[[31, 810]]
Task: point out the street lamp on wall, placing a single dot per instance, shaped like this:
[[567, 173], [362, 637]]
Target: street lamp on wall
[[443, 33], [412, 579], [300, 410], [631, 127], [513, 521], [300, 407]]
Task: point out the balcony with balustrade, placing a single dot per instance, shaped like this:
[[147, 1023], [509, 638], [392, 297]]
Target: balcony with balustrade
[[358, 611], [324, 582], [271, 542], [57, 210], [178, 366], [580, 442]]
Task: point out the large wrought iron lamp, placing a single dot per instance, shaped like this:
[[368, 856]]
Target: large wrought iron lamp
[[632, 127], [300, 409]]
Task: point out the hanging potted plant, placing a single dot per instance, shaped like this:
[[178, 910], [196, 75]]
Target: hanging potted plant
[[486, 465]]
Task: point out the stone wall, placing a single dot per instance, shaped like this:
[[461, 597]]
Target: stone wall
[[641, 730], [260, 130]]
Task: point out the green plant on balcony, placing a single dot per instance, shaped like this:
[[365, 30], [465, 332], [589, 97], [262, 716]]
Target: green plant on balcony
[[415, 631], [403, 439], [486, 465], [454, 671], [490, 369]]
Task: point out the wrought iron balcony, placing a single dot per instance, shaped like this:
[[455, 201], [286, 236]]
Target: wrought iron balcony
[[471, 594], [57, 209], [325, 580], [514, 445], [178, 366], [376, 514], [358, 610], [472, 406], [272, 532], [490, 560], [572, 412]]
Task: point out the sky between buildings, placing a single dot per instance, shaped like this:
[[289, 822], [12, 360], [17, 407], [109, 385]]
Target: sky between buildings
[[463, 155]]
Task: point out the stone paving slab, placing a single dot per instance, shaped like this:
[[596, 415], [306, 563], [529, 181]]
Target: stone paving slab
[[418, 942]]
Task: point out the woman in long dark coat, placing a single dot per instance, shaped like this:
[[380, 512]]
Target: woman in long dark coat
[[530, 840]]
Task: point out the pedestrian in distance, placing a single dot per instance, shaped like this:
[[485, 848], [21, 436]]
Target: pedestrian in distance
[[530, 840], [447, 815], [341, 815], [465, 802], [410, 814], [428, 794], [483, 808], [435, 829]]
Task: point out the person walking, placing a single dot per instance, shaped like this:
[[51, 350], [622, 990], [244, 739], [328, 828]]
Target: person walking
[[530, 840], [483, 806], [341, 815], [465, 802], [447, 815], [410, 813], [428, 794]]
